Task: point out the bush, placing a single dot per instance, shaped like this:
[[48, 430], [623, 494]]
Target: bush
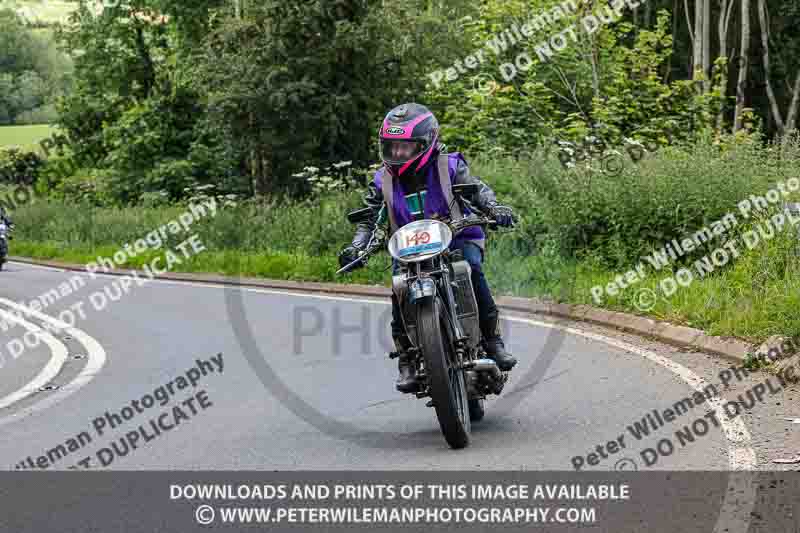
[[616, 219], [45, 114], [83, 186], [19, 167]]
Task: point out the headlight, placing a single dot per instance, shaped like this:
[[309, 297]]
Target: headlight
[[420, 240]]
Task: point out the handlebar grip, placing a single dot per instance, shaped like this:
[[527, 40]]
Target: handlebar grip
[[360, 262]]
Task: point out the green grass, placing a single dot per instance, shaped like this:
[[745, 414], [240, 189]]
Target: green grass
[[24, 136], [753, 297], [269, 265]]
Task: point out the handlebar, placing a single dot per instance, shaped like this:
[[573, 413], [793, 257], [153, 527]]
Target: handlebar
[[472, 220], [455, 225], [363, 257]]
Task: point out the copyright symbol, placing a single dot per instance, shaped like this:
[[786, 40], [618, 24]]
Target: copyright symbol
[[204, 515], [613, 164], [626, 464], [645, 299], [484, 84]]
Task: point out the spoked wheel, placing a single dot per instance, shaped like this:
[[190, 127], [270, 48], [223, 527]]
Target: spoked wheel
[[447, 384], [476, 410]]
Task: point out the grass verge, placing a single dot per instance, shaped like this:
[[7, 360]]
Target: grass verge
[[751, 296]]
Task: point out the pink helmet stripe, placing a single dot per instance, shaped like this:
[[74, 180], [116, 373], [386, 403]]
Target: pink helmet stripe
[[425, 156], [405, 167], [428, 153]]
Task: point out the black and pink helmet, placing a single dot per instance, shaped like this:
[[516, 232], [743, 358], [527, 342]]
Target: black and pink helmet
[[409, 137]]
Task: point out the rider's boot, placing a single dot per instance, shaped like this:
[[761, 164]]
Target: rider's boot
[[407, 380], [493, 343]]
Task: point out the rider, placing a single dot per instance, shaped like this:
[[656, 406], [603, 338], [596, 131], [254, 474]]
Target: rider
[[414, 161]]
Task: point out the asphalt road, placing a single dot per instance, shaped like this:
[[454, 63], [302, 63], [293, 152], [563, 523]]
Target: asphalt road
[[317, 395]]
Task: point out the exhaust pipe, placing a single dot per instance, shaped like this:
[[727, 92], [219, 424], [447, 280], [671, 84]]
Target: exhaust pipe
[[489, 366]]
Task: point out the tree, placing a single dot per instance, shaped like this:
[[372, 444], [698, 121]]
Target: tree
[[744, 65], [31, 77], [789, 124], [307, 82], [723, 25]]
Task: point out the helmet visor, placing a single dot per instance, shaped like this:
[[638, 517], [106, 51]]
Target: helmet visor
[[399, 152]]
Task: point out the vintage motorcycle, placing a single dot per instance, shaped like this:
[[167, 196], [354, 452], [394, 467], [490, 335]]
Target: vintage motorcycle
[[5, 236], [440, 315]]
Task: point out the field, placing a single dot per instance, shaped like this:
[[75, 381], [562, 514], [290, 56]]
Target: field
[[26, 136]]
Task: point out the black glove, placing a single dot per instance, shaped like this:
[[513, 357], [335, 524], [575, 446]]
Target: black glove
[[503, 215], [348, 255]]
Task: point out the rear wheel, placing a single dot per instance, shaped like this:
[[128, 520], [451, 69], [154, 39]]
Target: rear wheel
[[476, 410], [447, 385]]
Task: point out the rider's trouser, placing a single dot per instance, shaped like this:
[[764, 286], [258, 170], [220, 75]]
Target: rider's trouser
[[487, 309]]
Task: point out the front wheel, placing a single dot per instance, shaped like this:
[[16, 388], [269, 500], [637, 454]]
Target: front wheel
[[446, 381]]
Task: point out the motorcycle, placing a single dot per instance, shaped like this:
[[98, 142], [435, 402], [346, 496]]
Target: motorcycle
[[440, 315], [5, 236]]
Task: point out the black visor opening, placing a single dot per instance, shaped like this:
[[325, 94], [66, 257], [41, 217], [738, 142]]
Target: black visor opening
[[400, 151]]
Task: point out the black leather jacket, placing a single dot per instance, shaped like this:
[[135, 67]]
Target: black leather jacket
[[483, 200]]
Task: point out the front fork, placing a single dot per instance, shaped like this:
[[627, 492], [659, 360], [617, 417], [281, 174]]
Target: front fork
[[423, 285]]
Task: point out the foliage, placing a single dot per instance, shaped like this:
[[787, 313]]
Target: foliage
[[31, 72], [314, 78], [609, 83], [18, 166], [618, 218]]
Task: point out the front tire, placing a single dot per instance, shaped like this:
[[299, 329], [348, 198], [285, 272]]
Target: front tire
[[447, 385]]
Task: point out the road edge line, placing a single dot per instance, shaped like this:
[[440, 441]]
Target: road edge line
[[682, 336]]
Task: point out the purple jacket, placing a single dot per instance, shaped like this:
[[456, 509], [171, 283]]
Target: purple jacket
[[436, 199]]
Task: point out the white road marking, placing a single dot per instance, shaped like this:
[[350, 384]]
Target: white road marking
[[740, 494], [95, 361], [736, 433], [50, 370], [735, 512], [41, 267], [740, 457]]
